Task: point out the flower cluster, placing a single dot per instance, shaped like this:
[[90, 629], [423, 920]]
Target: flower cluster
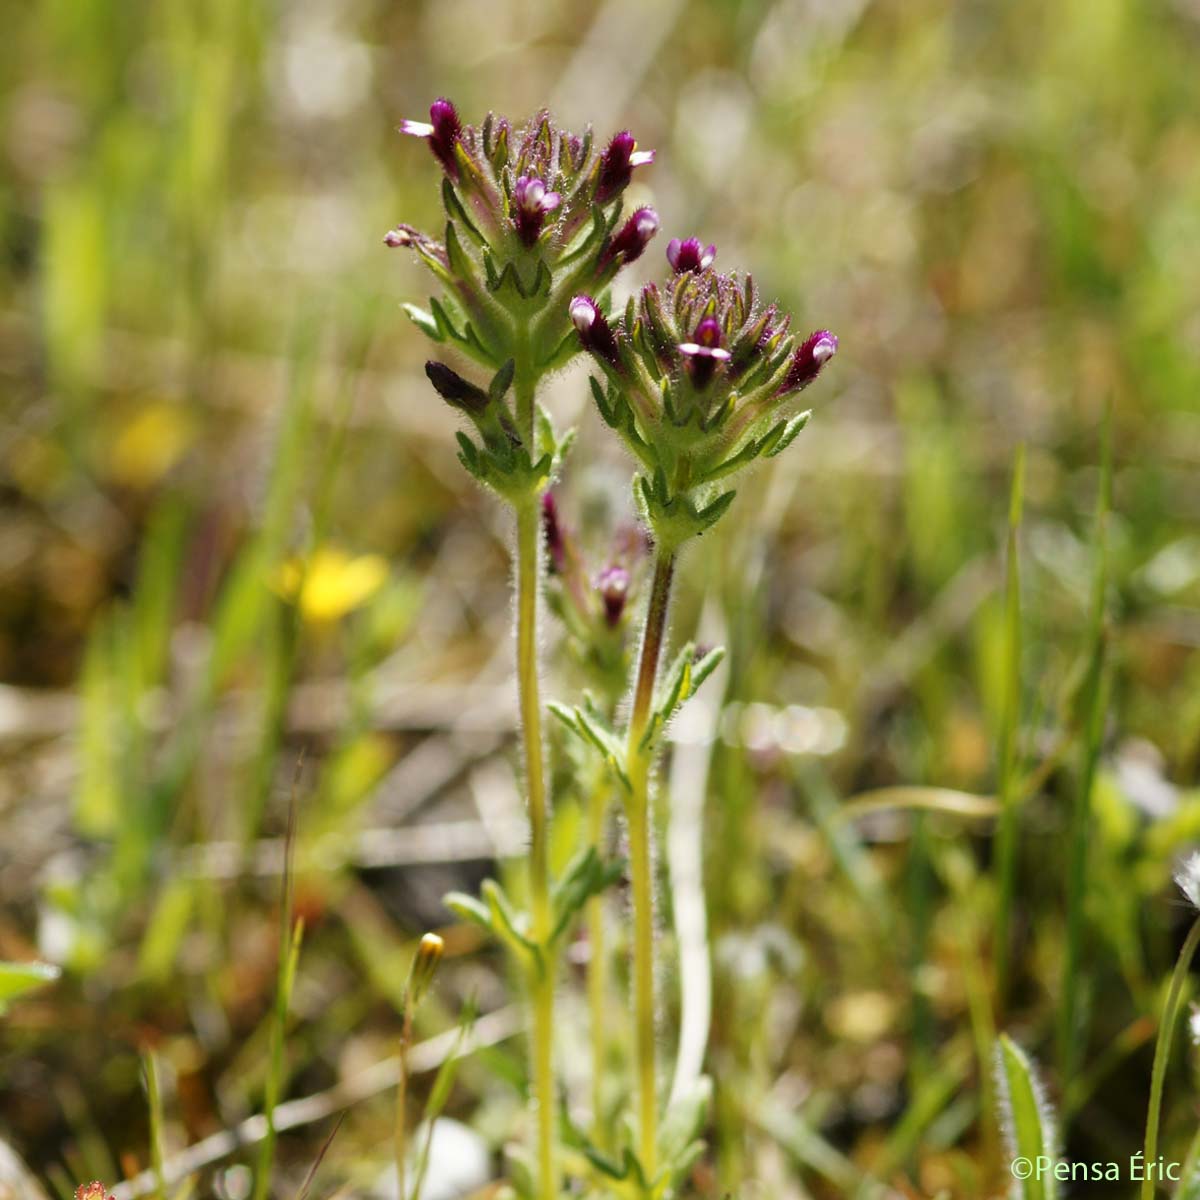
[[593, 605], [533, 217], [700, 379]]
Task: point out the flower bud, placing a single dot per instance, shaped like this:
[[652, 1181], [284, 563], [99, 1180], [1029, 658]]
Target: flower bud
[[556, 545], [531, 203], [455, 390], [632, 238], [92, 1191], [424, 966], [443, 131], [595, 333], [813, 353], [617, 164], [613, 585], [689, 255]]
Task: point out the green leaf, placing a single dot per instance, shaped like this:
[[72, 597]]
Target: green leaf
[[1028, 1120], [679, 1135], [788, 436], [711, 514], [426, 322], [685, 674], [588, 725], [454, 206], [17, 979], [446, 327], [469, 908], [506, 923], [502, 380], [587, 875]]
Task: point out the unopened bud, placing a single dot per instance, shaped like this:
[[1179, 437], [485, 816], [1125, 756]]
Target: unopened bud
[[814, 352], [595, 333], [424, 967], [613, 585], [632, 238], [455, 390]]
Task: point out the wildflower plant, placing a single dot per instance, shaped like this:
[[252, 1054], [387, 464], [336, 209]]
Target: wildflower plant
[[698, 379], [533, 216]]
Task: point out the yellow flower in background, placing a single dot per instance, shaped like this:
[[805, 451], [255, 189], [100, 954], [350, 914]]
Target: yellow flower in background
[[149, 445], [331, 583]]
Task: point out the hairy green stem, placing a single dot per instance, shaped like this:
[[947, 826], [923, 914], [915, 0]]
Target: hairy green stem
[[641, 864], [597, 971], [1162, 1051], [542, 981]]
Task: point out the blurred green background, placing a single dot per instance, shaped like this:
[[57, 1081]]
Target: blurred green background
[[206, 373]]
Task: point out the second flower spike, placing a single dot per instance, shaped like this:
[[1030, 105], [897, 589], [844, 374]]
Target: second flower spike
[[699, 379]]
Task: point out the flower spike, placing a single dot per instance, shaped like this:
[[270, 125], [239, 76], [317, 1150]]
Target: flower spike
[[533, 218], [697, 378]]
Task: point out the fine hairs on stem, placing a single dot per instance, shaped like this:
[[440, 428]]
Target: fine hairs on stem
[[641, 855]]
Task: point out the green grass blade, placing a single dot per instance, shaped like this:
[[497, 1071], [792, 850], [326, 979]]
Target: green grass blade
[[1162, 1051], [1090, 719], [1028, 1120], [290, 936], [154, 1101], [1006, 782], [16, 979]]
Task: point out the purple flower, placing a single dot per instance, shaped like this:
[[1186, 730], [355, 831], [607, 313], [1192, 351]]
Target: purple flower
[[613, 585], [531, 203], [631, 239], [595, 333], [813, 353], [617, 164], [704, 352], [444, 131], [455, 390], [689, 255]]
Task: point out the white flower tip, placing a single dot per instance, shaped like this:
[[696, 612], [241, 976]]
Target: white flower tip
[[1187, 878], [583, 313], [416, 128], [641, 158], [826, 348]]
